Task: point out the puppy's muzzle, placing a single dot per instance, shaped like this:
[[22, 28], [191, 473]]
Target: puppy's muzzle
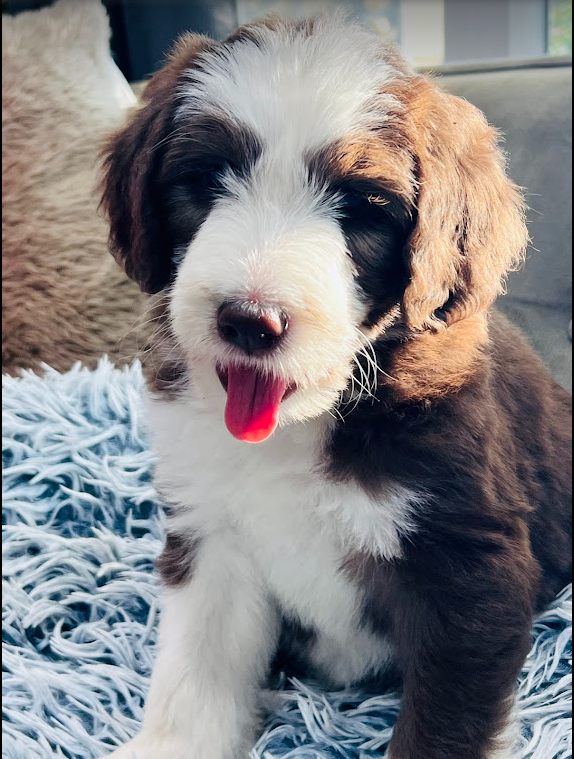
[[251, 327]]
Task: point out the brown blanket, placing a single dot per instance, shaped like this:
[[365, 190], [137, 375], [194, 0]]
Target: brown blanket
[[63, 296]]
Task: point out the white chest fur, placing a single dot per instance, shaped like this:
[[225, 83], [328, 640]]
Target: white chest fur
[[296, 524]]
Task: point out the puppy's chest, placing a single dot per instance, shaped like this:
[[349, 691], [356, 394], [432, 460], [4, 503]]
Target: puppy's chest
[[279, 506], [298, 526]]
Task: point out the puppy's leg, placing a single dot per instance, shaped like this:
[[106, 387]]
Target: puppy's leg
[[218, 632], [461, 655]]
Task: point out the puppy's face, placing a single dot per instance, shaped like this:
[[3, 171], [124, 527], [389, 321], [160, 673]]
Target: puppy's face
[[274, 288], [276, 188]]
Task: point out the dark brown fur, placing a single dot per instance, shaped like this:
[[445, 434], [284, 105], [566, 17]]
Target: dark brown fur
[[293, 650], [139, 238], [175, 563], [492, 543]]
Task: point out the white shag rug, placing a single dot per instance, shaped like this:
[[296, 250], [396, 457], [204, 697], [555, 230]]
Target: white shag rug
[[81, 531]]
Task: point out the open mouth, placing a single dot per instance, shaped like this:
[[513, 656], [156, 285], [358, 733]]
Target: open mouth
[[253, 401]]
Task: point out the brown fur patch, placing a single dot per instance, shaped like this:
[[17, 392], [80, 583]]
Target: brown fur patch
[[164, 364], [251, 32], [194, 158], [293, 650], [175, 563], [491, 455], [461, 628], [139, 238], [432, 365], [367, 156], [470, 227]]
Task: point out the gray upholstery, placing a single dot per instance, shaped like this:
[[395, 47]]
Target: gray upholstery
[[533, 107]]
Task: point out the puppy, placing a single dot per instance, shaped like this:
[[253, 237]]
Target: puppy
[[366, 467]]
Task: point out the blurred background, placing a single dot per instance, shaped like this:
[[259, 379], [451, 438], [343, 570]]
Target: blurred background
[[430, 32]]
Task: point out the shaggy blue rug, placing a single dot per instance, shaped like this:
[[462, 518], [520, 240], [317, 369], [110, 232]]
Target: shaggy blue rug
[[81, 531]]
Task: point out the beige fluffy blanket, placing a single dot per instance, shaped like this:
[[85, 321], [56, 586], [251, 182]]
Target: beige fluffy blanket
[[63, 296]]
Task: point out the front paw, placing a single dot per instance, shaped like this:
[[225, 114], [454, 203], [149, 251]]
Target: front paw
[[153, 748], [131, 750], [189, 746]]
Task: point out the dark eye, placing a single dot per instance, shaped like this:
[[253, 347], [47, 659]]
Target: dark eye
[[353, 200], [209, 178], [201, 182], [367, 205]]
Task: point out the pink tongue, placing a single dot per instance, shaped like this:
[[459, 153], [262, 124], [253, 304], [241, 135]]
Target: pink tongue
[[253, 401]]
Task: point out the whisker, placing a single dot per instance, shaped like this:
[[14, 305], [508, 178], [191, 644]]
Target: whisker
[[369, 345]]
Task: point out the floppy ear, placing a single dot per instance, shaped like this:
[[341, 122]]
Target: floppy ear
[[131, 161], [470, 224]]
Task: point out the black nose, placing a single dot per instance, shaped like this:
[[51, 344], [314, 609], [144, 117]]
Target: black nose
[[251, 327]]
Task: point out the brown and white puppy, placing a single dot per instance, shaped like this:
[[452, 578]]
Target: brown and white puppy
[[328, 230]]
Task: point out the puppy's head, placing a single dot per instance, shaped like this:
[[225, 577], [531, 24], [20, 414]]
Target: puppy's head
[[295, 190]]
